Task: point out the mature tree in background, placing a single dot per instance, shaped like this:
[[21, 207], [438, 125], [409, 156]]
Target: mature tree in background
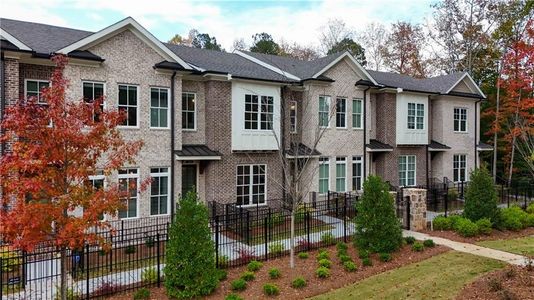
[[333, 33], [348, 44], [205, 41], [373, 39], [45, 176], [239, 44], [297, 51], [264, 43], [176, 40], [403, 50]]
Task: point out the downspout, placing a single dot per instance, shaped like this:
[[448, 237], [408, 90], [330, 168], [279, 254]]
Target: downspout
[[365, 132], [283, 141], [430, 129], [476, 133], [173, 199]]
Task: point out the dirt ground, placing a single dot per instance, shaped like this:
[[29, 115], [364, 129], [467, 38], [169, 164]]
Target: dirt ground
[[495, 235], [306, 268]]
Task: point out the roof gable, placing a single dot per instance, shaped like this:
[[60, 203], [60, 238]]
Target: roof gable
[[8, 37], [352, 61], [466, 81]]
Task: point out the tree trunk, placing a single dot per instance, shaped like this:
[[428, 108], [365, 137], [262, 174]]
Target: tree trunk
[[63, 270], [292, 241]]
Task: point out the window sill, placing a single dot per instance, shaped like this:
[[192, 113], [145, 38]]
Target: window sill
[[252, 205], [128, 127], [189, 130], [461, 132], [357, 128], [160, 128]]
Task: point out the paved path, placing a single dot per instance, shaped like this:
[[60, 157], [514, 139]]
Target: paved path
[[508, 257]]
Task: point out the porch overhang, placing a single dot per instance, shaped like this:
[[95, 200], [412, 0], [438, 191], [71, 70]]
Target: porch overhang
[[301, 151], [437, 147], [196, 152], [484, 147], [377, 146]]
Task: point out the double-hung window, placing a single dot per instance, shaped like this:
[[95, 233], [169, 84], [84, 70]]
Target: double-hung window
[[189, 112], [267, 113], [341, 173], [324, 111], [357, 172], [293, 116], [357, 113], [416, 116], [128, 187], [159, 191], [159, 107], [460, 119], [324, 175], [94, 91], [97, 182], [341, 113], [251, 184], [259, 112], [33, 88], [407, 170], [128, 104], [459, 167]]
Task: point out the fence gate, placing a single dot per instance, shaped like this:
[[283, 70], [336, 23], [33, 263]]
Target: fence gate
[[403, 209]]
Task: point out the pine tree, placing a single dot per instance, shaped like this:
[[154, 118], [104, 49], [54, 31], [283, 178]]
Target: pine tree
[[480, 197], [377, 226], [190, 270]]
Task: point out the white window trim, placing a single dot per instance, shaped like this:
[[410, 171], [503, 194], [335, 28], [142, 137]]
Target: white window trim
[[138, 106], [168, 108], [251, 183], [39, 91], [195, 111], [327, 163], [415, 117], [414, 171], [466, 120], [355, 160], [361, 114], [259, 113], [346, 112], [127, 176], [342, 161], [167, 173], [104, 103], [329, 102], [465, 168], [291, 103], [100, 177]]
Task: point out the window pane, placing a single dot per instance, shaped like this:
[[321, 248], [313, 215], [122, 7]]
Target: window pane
[[163, 117], [123, 95], [31, 86], [154, 114], [154, 98]]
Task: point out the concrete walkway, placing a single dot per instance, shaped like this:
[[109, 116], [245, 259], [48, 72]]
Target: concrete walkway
[[507, 257]]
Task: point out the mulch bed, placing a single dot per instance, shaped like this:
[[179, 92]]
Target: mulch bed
[[513, 282], [306, 268], [495, 235]]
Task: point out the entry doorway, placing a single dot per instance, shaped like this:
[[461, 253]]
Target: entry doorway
[[189, 178]]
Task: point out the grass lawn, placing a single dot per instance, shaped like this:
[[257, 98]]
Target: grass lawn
[[439, 277], [518, 246]]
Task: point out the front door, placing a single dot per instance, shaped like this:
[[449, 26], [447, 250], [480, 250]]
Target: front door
[[189, 179]]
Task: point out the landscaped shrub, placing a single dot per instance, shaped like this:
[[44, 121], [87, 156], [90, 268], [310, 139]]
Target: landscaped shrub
[[480, 197], [322, 272], [274, 273], [142, 294], [466, 227], [418, 247], [484, 226], [377, 227], [303, 255], [385, 257], [530, 209], [224, 261], [276, 248], [530, 220], [270, 289], [275, 219], [300, 215], [245, 255], [232, 297], [454, 220], [363, 253], [254, 266], [247, 276], [325, 263], [238, 284], [328, 239], [429, 243], [323, 254], [513, 218], [190, 270], [344, 258], [342, 247], [299, 282], [367, 262], [149, 275], [442, 223], [342, 252], [130, 249], [350, 266], [222, 274], [409, 240]]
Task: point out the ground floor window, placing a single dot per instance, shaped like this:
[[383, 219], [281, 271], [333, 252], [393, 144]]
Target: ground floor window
[[97, 182], [341, 171], [251, 184], [407, 170], [159, 191], [324, 174], [459, 167], [128, 186], [357, 172]]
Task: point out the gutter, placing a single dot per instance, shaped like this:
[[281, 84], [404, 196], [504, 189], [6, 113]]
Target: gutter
[[173, 199]]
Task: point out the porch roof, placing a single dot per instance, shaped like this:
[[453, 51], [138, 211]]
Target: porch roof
[[377, 146], [436, 146], [197, 152]]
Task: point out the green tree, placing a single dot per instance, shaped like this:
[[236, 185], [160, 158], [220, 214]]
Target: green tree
[[377, 226], [190, 264], [480, 197], [264, 43], [348, 44], [205, 41]]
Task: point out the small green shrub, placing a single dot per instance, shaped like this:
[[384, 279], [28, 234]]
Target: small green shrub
[[484, 226], [325, 263], [342, 247], [363, 254], [322, 272], [367, 262], [276, 248], [345, 258], [530, 220], [222, 274], [328, 239], [224, 261], [254, 266], [323, 255], [385, 257], [142, 294], [466, 227], [303, 255], [442, 223], [275, 220], [418, 247], [274, 273], [149, 275], [341, 253], [130, 249], [232, 297], [248, 276], [513, 218], [299, 282], [530, 209], [429, 243], [270, 289], [454, 220], [409, 240], [480, 196], [238, 285], [350, 266]]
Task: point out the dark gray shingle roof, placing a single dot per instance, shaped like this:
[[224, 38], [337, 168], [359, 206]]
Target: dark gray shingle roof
[[375, 145], [301, 150], [436, 146], [196, 150]]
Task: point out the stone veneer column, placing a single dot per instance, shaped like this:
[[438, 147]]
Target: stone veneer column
[[417, 207]]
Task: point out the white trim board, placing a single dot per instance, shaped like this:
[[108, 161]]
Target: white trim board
[[353, 60], [13, 40], [470, 83], [266, 65]]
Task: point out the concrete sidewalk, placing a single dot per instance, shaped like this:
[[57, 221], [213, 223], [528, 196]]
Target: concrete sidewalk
[[507, 257]]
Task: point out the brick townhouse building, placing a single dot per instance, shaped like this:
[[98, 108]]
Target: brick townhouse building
[[218, 122]]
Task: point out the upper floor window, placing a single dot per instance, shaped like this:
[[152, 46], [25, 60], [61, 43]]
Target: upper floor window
[[159, 191], [189, 111], [33, 88], [406, 170], [251, 184], [459, 167], [357, 113], [259, 115], [324, 111], [128, 186], [341, 113], [94, 91], [341, 171], [416, 116], [293, 116], [159, 107], [324, 175], [460, 119], [128, 104]]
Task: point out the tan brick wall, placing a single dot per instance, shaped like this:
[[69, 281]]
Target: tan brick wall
[[27, 71], [197, 136]]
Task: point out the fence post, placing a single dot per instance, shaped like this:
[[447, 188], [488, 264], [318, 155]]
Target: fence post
[[248, 228], [216, 241], [159, 261], [265, 237], [24, 275], [345, 219], [308, 229], [270, 230], [122, 230], [2, 279], [337, 206], [446, 195], [86, 270]]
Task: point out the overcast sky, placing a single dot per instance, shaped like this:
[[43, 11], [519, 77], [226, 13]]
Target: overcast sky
[[298, 21]]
